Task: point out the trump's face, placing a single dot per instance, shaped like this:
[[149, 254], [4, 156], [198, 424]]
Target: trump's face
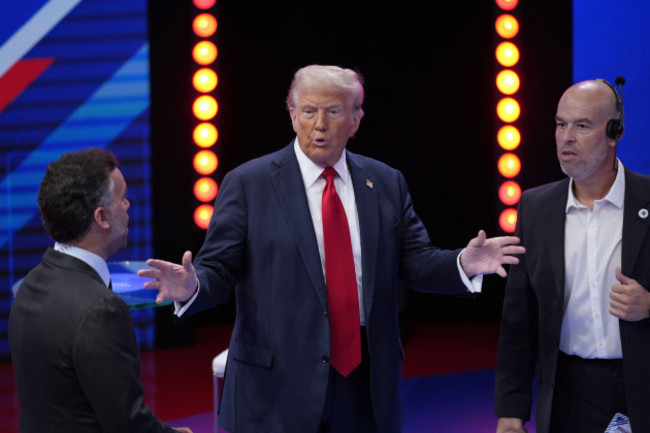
[[324, 121]]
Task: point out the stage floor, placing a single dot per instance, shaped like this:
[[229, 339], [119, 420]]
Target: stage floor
[[448, 379]]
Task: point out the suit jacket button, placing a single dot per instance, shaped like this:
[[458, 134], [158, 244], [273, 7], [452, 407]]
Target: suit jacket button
[[325, 359]]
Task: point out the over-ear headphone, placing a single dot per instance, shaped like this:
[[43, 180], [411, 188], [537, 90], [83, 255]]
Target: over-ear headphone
[[615, 127]]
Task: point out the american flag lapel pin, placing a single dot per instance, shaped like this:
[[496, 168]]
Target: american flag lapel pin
[[369, 183]]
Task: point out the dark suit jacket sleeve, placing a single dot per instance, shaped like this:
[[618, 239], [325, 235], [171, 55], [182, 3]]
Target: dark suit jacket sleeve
[[108, 367]]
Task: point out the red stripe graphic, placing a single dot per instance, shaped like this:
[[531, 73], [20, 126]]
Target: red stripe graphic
[[19, 77]]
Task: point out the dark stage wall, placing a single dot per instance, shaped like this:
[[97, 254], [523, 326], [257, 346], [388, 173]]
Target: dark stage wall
[[429, 75]]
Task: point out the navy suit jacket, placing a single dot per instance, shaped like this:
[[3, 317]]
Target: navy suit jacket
[[534, 299], [75, 355], [261, 247]]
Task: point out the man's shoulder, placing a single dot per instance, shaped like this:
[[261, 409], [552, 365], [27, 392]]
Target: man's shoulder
[[278, 157], [66, 278], [636, 176], [369, 163], [549, 190]]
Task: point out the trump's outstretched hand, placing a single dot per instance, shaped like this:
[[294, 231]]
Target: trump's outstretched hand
[[174, 282], [485, 255]]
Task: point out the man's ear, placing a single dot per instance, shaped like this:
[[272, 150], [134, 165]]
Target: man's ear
[[101, 217], [356, 121]]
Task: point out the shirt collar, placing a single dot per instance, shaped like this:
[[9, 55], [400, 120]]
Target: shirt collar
[[312, 172], [91, 259], [615, 195]]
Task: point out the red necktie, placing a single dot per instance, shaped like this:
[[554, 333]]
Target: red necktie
[[342, 296]]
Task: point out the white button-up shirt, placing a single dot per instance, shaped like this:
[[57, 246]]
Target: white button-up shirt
[[592, 248]]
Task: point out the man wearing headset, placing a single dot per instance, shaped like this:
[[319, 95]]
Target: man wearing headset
[[576, 306]]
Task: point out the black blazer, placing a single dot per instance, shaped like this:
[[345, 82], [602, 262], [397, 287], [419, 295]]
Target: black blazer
[[261, 248], [74, 353], [533, 305]]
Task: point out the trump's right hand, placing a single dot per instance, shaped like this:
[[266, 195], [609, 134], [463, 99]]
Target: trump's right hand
[[174, 282]]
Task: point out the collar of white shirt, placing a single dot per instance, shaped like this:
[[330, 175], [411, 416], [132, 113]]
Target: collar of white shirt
[[311, 172], [91, 259], [615, 195]]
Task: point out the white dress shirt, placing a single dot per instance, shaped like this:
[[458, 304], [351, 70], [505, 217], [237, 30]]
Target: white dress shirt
[[314, 186], [91, 259], [592, 249]]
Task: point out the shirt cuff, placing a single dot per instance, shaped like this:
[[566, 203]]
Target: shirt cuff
[[475, 284], [181, 307]]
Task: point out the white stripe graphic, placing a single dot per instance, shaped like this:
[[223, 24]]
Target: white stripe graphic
[[33, 31]]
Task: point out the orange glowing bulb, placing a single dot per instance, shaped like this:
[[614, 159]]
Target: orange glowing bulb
[[204, 25], [507, 54], [508, 110], [202, 215], [205, 80], [507, 5], [205, 107], [205, 162], [204, 53], [205, 134], [205, 189], [204, 4], [506, 26], [508, 137], [508, 220], [509, 165], [509, 192], [507, 82]]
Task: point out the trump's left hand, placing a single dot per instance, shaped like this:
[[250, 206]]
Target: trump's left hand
[[485, 255]]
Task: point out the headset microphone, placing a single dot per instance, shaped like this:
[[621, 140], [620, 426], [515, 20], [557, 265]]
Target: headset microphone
[[615, 126]]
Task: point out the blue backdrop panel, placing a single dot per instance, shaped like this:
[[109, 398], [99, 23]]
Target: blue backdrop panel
[[94, 93], [611, 38]]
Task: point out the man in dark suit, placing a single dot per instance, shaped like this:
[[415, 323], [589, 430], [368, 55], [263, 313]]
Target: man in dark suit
[[72, 341], [269, 245], [577, 304]]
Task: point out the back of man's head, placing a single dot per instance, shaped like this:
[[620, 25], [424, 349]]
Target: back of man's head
[[72, 188]]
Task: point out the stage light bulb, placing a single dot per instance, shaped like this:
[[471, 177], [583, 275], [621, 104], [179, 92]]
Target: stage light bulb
[[205, 189], [508, 110], [205, 135], [509, 165], [204, 4], [508, 137], [506, 26], [507, 54], [205, 162], [202, 215], [204, 53], [204, 25], [508, 220], [205, 107], [507, 82], [205, 80], [509, 192], [507, 5]]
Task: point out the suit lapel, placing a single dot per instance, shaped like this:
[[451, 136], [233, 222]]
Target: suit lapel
[[290, 190], [635, 221], [553, 225], [367, 209]]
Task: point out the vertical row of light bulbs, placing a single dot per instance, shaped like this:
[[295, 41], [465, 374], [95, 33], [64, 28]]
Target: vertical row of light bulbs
[[204, 108], [508, 112]]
